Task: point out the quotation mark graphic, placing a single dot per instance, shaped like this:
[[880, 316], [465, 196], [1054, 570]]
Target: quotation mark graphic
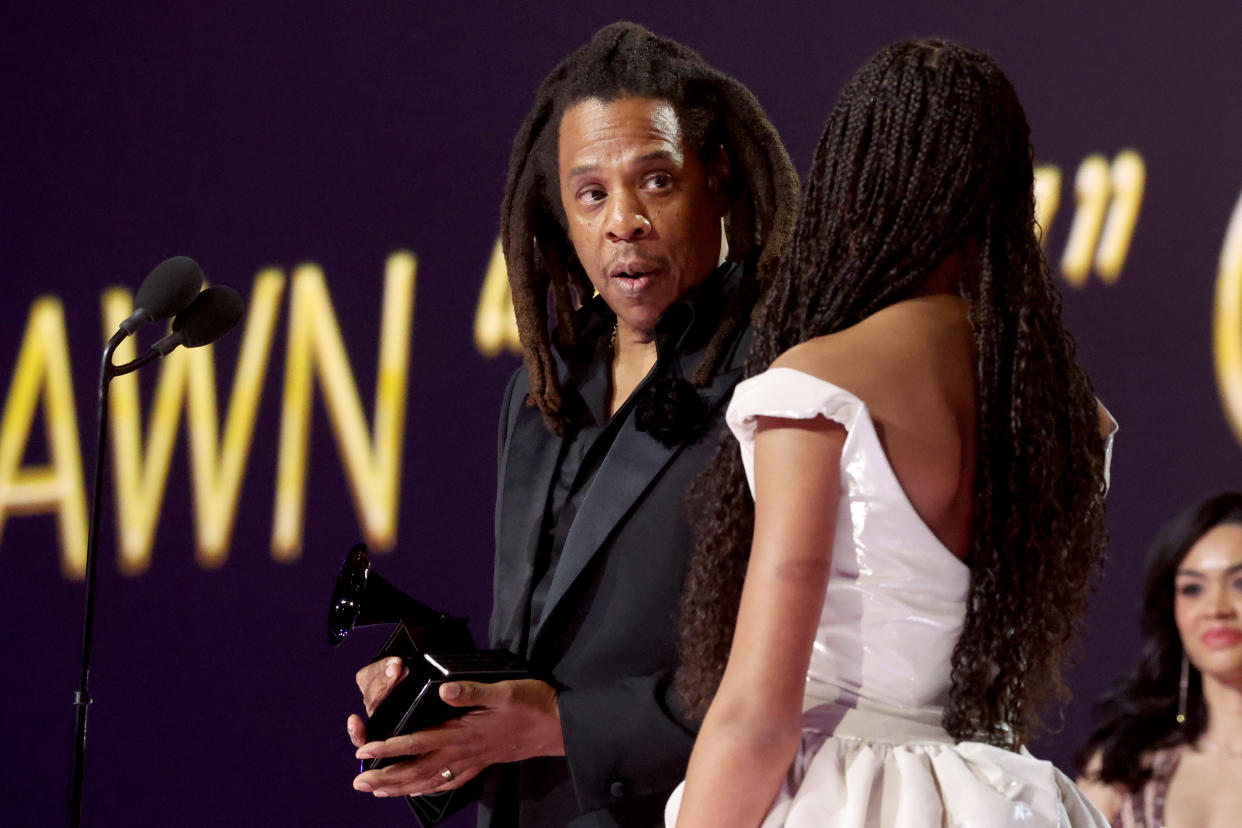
[[1107, 199]]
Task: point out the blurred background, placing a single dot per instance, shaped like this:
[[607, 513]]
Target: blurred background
[[342, 166]]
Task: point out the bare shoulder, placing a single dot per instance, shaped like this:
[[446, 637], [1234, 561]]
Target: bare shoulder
[[1107, 424], [906, 340], [912, 364]]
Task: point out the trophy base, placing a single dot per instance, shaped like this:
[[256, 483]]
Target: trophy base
[[415, 703]]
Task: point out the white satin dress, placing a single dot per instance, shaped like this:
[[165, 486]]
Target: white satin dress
[[873, 752]]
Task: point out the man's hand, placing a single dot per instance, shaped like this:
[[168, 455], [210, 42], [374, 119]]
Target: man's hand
[[511, 720], [376, 681]]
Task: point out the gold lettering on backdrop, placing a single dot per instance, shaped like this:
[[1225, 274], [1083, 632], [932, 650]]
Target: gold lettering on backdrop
[[1128, 178], [218, 453], [495, 326], [218, 466], [1091, 194], [1227, 323], [372, 464], [42, 374], [1107, 201], [140, 468]]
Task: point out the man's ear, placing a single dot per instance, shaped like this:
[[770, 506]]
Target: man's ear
[[719, 171]]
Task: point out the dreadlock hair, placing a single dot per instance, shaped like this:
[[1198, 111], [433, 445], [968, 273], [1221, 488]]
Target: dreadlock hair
[[715, 112], [1140, 713], [926, 151]]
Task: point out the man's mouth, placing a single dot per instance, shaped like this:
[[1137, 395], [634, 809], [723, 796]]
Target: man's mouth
[[632, 268], [633, 277]]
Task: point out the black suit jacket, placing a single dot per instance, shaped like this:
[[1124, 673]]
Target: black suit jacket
[[607, 638]]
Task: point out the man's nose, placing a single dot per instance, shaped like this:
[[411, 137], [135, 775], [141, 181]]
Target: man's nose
[[627, 219]]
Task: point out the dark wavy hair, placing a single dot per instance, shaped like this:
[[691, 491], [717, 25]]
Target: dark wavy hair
[[1140, 713], [715, 112], [926, 152]]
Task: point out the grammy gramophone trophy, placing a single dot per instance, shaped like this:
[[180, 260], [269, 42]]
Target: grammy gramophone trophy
[[436, 648]]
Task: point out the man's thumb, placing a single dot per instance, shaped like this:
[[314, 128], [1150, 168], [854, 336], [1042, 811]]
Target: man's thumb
[[463, 693]]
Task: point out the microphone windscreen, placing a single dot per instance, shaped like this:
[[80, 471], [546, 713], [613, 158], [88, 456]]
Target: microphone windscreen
[[212, 313], [169, 288]]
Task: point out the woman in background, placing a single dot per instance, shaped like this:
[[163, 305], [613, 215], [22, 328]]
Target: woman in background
[[928, 469], [1169, 748]]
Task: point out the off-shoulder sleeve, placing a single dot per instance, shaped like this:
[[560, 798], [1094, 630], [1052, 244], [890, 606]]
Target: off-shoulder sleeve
[[1108, 448], [792, 394]]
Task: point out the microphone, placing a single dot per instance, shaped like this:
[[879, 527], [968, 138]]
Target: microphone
[[171, 288], [211, 315], [168, 288]]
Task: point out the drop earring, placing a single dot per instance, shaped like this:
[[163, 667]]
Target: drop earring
[[1182, 687]]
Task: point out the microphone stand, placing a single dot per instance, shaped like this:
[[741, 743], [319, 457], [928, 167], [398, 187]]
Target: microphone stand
[[82, 698]]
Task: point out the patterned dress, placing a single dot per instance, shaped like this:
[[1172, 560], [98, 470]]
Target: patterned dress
[[1144, 808]]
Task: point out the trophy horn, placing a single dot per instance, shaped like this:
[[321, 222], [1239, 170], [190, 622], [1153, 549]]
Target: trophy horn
[[362, 597]]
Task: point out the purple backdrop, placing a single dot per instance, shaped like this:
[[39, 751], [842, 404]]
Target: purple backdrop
[[276, 134]]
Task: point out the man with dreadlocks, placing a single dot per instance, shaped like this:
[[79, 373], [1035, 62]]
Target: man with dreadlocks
[[633, 154], [873, 637]]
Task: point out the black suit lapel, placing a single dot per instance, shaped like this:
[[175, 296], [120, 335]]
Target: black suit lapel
[[630, 467], [530, 462]]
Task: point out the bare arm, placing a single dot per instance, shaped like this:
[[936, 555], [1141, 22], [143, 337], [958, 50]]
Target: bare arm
[[753, 727]]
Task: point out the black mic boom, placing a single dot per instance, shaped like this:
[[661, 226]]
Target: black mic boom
[[169, 288], [212, 314]]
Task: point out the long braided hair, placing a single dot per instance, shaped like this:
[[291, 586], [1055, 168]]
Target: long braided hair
[[715, 112], [1140, 713], [928, 150]]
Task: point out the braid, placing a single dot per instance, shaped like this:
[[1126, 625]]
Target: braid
[[927, 150], [716, 113], [522, 211]]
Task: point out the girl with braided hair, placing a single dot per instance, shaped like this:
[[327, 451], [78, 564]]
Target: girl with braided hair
[[928, 462]]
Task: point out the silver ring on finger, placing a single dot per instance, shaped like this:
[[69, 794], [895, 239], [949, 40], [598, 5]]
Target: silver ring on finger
[[446, 775]]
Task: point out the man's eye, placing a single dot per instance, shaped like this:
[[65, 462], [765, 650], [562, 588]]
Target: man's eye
[[659, 181], [591, 195]]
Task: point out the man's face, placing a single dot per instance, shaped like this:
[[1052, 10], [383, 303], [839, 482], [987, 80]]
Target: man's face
[[644, 215]]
